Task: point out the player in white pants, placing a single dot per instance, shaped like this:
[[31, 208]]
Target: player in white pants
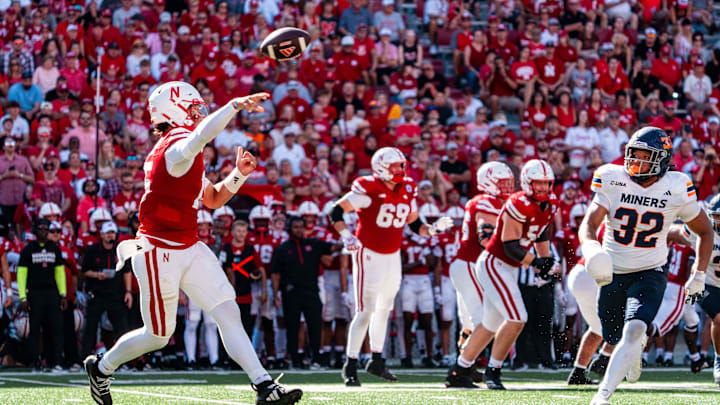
[[210, 328]]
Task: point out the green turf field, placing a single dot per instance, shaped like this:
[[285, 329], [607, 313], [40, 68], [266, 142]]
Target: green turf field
[[657, 386]]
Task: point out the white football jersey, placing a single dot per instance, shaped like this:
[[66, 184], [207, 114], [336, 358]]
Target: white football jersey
[[639, 218], [712, 274]]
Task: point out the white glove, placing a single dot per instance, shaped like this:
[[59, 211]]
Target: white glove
[[350, 241], [441, 225], [347, 300], [438, 295], [598, 263], [695, 287]]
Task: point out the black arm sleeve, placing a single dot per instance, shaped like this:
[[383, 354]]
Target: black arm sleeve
[[543, 236], [415, 226], [513, 250], [336, 214]]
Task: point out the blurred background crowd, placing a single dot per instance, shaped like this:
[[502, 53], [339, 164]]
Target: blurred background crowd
[[453, 84]]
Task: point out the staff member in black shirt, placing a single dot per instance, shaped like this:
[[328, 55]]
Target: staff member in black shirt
[[243, 267], [295, 268], [42, 289], [107, 289]]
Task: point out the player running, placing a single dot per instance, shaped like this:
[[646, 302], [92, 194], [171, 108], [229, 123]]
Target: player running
[[638, 204], [385, 203], [167, 256], [523, 221]]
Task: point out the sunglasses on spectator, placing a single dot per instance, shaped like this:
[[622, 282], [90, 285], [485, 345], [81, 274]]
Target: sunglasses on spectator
[[112, 105], [54, 231]]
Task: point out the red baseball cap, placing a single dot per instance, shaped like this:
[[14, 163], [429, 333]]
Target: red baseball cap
[[669, 104], [699, 62], [106, 13], [212, 56], [63, 86], [665, 50], [330, 77], [525, 124]]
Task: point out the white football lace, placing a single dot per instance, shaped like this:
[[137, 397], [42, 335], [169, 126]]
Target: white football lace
[[103, 384]]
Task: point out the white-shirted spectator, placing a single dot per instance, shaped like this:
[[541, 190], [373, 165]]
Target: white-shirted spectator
[[289, 150], [580, 140], [697, 86], [612, 138]]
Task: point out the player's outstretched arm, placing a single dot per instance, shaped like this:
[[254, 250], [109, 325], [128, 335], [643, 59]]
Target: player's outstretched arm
[[210, 127], [215, 196], [425, 230]]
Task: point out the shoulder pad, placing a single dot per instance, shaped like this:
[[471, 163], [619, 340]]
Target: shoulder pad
[[681, 185], [362, 185]]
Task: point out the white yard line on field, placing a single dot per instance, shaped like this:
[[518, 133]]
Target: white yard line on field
[[124, 391], [147, 381]]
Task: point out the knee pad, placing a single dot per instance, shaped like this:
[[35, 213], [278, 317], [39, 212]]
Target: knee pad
[[634, 330], [691, 329], [156, 342]]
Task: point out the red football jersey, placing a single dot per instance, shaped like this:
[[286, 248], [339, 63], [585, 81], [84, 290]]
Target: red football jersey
[[168, 209], [679, 270], [381, 222], [129, 203], [470, 248], [534, 220], [448, 246], [13, 255], [416, 249], [264, 244]]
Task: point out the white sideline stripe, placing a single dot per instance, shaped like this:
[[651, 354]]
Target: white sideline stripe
[[146, 381], [124, 391]]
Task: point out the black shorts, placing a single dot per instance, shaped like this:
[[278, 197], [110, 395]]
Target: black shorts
[[630, 296], [711, 303]]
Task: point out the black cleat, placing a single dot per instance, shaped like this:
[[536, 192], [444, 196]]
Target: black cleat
[[406, 363], [668, 363], [99, 383], [376, 367], [477, 375], [349, 373], [492, 379], [578, 377], [272, 392], [459, 377], [599, 365], [427, 362], [696, 366]]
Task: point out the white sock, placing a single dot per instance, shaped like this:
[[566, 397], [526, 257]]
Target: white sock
[[694, 356], [622, 358], [211, 340], [576, 365], [463, 362], [339, 349], [356, 333], [494, 363], [378, 330], [236, 341], [130, 346], [190, 336], [645, 356], [326, 349], [605, 353], [659, 352], [668, 356]]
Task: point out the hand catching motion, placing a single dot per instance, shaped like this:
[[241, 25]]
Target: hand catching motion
[[251, 102], [245, 161]]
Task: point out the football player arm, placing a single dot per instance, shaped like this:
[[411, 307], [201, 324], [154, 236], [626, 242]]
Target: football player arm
[[22, 273], [485, 226], [700, 226], [60, 280], [127, 282], [217, 195], [510, 236], [187, 148], [5, 271], [675, 235], [591, 223], [347, 203]]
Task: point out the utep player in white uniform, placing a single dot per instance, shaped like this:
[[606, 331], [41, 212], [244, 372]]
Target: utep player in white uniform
[[167, 254], [638, 203], [711, 303], [385, 203]]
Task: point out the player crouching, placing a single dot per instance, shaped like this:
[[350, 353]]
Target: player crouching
[[523, 221]]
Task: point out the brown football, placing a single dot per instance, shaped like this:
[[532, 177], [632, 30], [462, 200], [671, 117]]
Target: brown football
[[285, 43]]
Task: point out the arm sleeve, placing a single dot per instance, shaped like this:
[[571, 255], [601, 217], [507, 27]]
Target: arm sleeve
[[60, 279], [22, 273], [209, 128]]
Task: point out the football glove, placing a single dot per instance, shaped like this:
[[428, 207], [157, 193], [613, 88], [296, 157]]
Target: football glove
[[695, 287], [598, 263], [350, 241], [543, 265], [441, 225], [438, 295], [347, 300]]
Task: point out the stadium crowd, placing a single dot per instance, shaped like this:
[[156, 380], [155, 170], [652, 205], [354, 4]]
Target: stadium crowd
[[452, 84]]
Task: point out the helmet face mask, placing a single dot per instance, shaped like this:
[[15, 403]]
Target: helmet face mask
[[642, 162], [506, 186], [715, 220], [388, 164], [541, 189], [648, 153], [536, 179], [496, 179]]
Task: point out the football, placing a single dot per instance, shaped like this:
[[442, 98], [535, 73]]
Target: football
[[285, 43]]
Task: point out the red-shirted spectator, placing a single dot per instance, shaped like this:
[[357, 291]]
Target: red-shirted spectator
[[299, 105], [502, 46], [668, 121], [312, 69], [666, 69], [210, 71], [348, 65]]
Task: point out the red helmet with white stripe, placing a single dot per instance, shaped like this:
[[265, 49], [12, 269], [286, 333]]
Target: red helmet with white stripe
[[537, 171], [177, 104], [495, 178], [388, 164]]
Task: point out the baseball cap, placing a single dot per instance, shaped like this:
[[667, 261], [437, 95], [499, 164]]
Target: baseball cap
[[165, 17], [72, 27], [647, 64], [184, 29], [501, 27], [554, 21], [27, 75], [388, 2], [714, 120], [606, 46], [108, 227], [425, 183], [212, 56], [525, 124], [699, 62], [45, 104], [293, 85], [63, 86], [650, 32], [347, 40], [408, 93], [106, 13], [451, 145], [669, 104], [330, 77], [569, 184], [385, 31], [665, 50], [55, 226], [288, 131], [137, 105], [70, 55], [493, 18]]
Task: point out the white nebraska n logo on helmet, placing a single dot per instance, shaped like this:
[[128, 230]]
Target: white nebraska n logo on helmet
[[174, 92]]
